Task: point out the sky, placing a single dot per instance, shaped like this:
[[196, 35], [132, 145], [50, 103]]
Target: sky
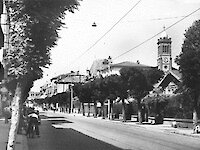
[[118, 30]]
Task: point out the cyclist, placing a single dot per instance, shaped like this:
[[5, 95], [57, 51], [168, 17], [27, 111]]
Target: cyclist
[[33, 119]]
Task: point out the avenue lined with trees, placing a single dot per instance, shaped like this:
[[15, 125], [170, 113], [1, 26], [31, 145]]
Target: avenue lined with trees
[[33, 31]]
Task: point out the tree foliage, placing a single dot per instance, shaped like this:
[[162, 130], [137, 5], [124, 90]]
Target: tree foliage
[[189, 66], [189, 59], [138, 82], [84, 92], [135, 81], [112, 86], [33, 31], [34, 26]]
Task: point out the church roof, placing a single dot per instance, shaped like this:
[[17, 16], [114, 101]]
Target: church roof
[[176, 73], [167, 79]]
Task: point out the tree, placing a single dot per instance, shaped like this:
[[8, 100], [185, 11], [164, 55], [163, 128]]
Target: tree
[[84, 93], [189, 66], [34, 26], [138, 83], [99, 94], [112, 87]]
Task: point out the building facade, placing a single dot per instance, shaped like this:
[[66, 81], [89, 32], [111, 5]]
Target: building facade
[[164, 60], [172, 77]]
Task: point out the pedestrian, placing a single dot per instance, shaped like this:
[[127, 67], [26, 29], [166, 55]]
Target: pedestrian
[[7, 114]]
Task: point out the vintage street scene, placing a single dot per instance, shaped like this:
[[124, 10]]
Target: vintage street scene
[[99, 75]]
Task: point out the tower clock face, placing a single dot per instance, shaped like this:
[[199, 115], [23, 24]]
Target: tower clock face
[[165, 60]]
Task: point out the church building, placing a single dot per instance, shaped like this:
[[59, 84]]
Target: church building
[[172, 77]]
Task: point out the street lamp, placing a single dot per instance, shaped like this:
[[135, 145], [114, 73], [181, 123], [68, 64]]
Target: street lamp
[[94, 24]]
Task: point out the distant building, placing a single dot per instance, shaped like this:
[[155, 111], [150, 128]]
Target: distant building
[[61, 83], [105, 67], [168, 84], [34, 95]]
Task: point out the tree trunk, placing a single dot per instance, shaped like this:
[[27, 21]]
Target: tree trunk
[[88, 110], [195, 117], [83, 109], [14, 119], [102, 110], [147, 114], [139, 113], [21, 120], [95, 109], [111, 110], [195, 110], [1, 107], [123, 111]]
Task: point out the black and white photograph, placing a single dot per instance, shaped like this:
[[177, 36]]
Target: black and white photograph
[[99, 74]]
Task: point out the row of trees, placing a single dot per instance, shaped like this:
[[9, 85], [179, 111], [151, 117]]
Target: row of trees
[[131, 83]]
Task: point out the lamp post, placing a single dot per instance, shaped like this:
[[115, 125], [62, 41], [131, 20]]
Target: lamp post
[[109, 73]]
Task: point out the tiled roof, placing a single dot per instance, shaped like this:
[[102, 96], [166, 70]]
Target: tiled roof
[[129, 64], [62, 76]]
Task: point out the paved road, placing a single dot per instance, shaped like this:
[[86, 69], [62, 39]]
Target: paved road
[[60, 131], [64, 139]]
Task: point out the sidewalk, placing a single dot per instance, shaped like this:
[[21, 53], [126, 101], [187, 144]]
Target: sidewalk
[[167, 129], [21, 141]]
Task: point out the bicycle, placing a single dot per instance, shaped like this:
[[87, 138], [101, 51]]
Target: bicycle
[[32, 128], [32, 132]]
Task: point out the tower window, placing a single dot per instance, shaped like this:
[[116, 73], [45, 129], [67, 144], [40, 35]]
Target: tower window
[[165, 48]]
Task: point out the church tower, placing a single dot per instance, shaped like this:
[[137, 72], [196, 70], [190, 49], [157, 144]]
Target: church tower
[[164, 60]]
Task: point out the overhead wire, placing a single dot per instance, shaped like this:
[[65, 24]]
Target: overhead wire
[[156, 34], [107, 31]]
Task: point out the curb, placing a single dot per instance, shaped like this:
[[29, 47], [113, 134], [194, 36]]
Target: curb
[[185, 134]]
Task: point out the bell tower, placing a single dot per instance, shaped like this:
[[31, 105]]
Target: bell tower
[[164, 60]]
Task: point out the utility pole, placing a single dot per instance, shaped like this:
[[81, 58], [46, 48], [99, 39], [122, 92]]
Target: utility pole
[[72, 98]]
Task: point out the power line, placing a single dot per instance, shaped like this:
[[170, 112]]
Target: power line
[[140, 20], [107, 31], [156, 34], [157, 19]]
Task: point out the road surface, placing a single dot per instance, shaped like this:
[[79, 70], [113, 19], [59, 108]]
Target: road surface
[[75, 132]]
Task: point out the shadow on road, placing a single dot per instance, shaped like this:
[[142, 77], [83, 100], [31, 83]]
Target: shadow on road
[[65, 139]]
